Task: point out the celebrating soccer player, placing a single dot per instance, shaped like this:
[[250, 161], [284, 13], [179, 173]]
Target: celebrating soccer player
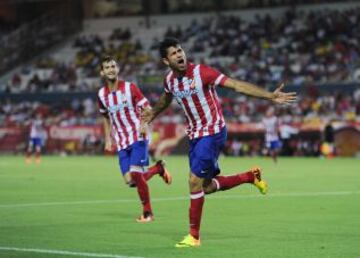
[[121, 104], [193, 87]]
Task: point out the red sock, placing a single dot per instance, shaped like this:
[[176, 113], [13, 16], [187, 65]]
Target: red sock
[[143, 190], [151, 172], [195, 211], [227, 182]]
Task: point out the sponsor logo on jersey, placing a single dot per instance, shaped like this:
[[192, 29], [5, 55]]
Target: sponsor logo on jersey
[[185, 93]]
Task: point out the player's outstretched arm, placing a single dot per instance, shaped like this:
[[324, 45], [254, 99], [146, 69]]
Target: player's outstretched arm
[[276, 96]]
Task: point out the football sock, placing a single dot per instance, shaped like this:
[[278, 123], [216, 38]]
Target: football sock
[[153, 170], [37, 155], [143, 191], [196, 204], [227, 182]]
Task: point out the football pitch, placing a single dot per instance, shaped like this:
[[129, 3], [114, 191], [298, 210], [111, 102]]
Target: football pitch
[[80, 207]]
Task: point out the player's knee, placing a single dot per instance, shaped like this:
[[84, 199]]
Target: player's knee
[[135, 178], [195, 183], [209, 188], [130, 179], [131, 184]]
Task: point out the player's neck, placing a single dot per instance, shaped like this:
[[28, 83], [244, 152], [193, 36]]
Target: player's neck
[[113, 85], [179, 73]]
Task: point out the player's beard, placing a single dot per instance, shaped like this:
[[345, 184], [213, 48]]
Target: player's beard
[[111, 80], [179, 68]]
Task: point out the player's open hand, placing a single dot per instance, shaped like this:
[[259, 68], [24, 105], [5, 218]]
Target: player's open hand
[[283, 97], [146, 116], [108, 145]]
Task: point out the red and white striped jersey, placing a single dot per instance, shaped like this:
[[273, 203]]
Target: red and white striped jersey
[[271, 126], [195, 92], [123, 106], [37, 129]]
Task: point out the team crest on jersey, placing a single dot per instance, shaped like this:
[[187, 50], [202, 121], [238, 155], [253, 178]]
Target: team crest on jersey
[[185, 93], [179, 94], [191, 83]]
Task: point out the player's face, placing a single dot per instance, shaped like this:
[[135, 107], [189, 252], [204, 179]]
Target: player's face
[[110, 70], [176, 59]]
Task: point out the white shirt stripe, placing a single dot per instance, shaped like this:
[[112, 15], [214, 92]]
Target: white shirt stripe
[[117, 129], [218, 79], [142, 102]]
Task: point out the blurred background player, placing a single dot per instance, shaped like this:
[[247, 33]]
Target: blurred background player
[[327, 147], [193, 87], [286, 134], [271, 126], [121, 103], [37, 137]]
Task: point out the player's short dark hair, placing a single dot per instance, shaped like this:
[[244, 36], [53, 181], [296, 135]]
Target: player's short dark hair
[[106, 59], [165, 44]]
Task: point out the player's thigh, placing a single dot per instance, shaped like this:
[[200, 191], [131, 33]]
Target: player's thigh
[[139, 156], [124, 161], [204, 154], [274, 145], [31, 143]]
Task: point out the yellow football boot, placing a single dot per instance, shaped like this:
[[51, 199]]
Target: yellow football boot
[[188, 241], [258, 182]]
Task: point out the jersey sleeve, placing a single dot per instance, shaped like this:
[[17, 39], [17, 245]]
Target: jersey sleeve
[[166, 87], [102, 108], [138, 98], [211, 76]]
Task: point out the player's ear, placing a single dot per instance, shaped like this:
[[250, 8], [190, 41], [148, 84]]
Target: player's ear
[[165, 61], [102, 73]]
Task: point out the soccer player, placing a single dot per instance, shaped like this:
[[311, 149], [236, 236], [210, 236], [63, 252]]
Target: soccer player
[[271, 126], [193, 87], [37, 133], [121, 104]]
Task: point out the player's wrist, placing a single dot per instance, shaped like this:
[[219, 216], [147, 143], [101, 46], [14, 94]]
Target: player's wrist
[[271, 96]]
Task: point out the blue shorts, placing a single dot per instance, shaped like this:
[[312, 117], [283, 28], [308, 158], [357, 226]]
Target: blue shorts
[[134, 155], [204, 153], [273, 145], [36, 141]]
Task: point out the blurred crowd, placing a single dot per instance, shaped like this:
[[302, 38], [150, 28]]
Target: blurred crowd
[[317, 47], [7, 26], [299, 48], [311, 108], [73, 112]]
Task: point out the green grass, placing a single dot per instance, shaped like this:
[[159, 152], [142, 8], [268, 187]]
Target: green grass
[[80, 204]]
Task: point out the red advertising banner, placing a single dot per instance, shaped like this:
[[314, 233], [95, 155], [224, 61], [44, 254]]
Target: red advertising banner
[[164, 136], [78, 133]]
